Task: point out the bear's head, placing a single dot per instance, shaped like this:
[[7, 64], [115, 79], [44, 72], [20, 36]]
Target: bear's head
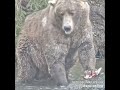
[[67, 14]]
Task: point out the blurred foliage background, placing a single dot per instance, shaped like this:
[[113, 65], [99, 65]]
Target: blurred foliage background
[[24, 8]]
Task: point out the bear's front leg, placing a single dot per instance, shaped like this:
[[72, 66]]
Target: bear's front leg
[[58, 73], [87, 57], [70, 61]]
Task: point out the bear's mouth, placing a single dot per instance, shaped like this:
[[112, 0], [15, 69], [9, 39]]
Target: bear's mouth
[[68, 31]]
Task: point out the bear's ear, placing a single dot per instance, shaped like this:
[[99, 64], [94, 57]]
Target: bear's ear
[[52, 2]]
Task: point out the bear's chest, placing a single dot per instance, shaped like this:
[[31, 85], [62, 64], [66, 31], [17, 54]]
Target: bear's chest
[[55, 52], [56, 48]]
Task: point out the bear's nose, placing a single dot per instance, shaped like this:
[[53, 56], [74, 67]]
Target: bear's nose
[[67, 28]]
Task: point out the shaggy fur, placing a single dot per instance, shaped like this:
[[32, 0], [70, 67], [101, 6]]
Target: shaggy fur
[[44, 49]]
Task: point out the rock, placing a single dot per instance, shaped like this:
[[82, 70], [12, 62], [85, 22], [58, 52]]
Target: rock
[[97, 17]]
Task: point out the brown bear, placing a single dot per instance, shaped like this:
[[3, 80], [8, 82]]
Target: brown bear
[[52, 38]]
